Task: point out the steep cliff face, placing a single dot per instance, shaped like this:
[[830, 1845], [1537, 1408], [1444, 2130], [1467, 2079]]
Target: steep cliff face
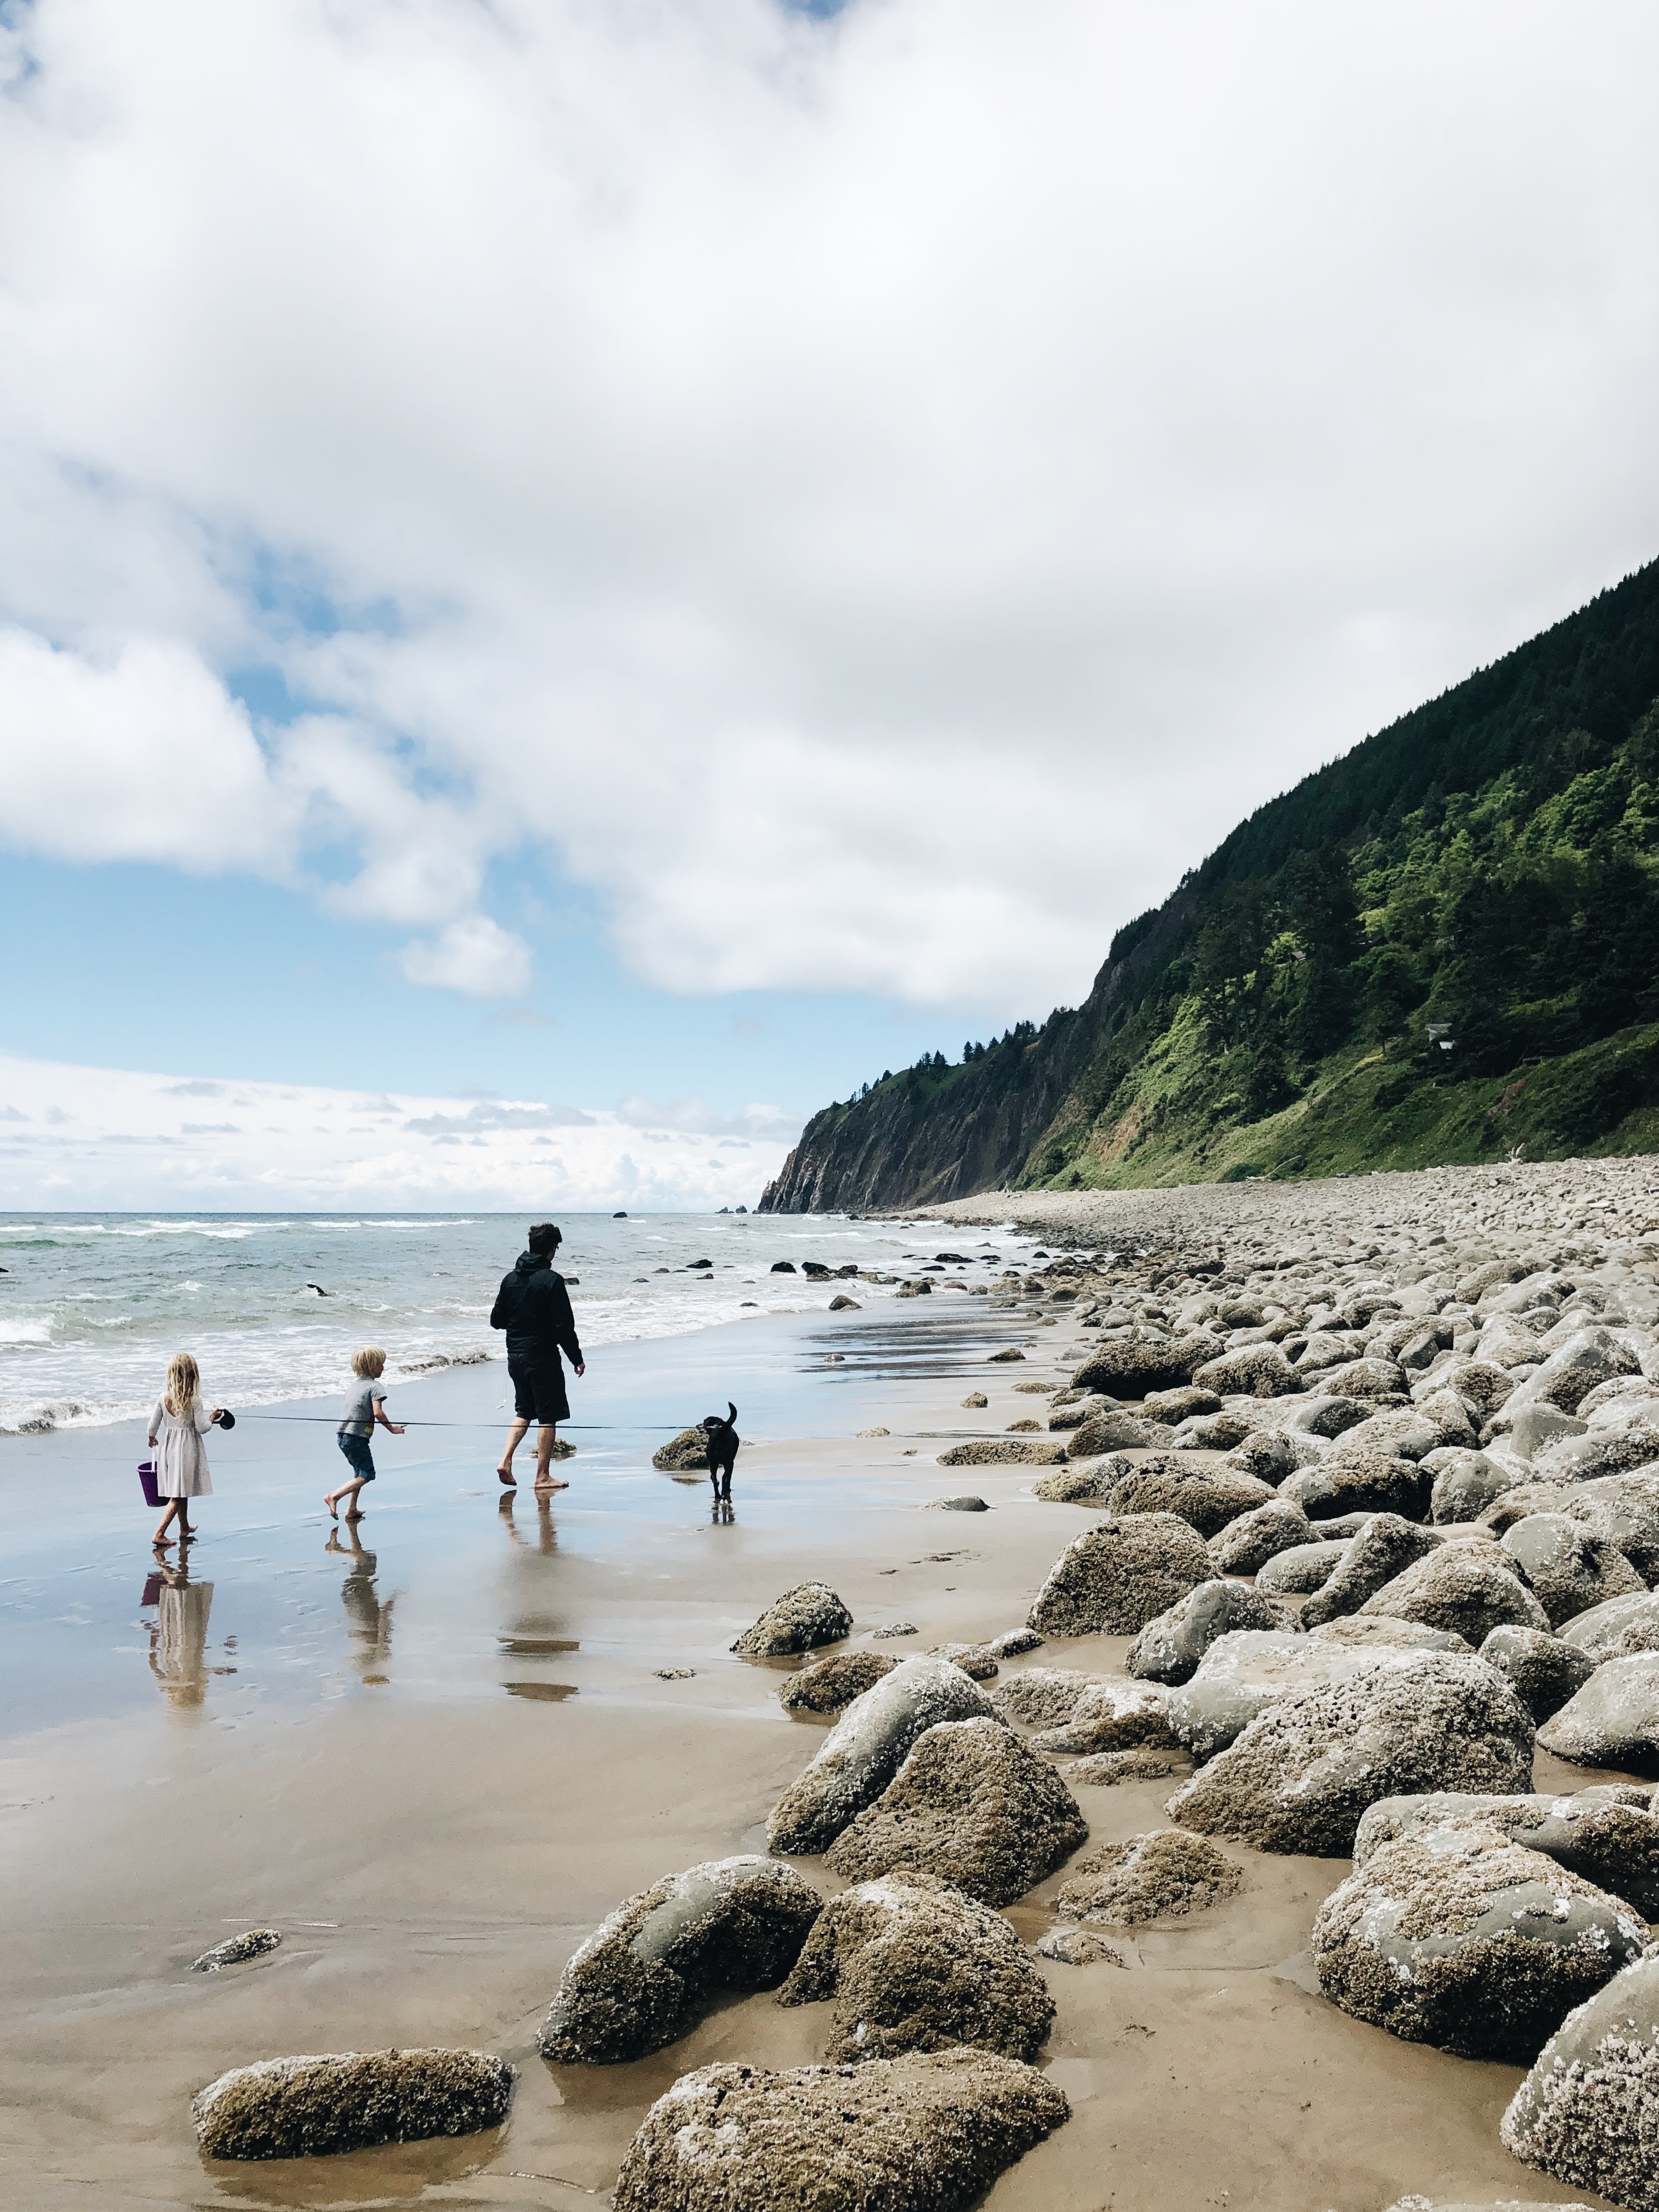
[[1442, 946]]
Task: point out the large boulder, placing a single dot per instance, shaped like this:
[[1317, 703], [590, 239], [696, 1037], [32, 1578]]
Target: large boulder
[[929, 2132], [1205, 1497], [1113, 1716], [1571, 1371], [1464, 1483], [1270, 1455], [804, 1618], [1607, 1834], [1617, 1629], [971, 1804], [1599, 1454], [1367, 1482], [1171, 1407], [1245, 1545], [1112, 1579], [319, 2107], [1396, 1432], [682, 1454], [1075, 1485], [1301, 1569], [1169, 1648], [1614, 1721], [1254, 1370], [1625, 1509], [1460, 1937], [1469, 1588], [1364, 1378], [1243, 1675], [1481, 1383], [1130, 1367], [866, 1748], [1384, 1547], [640, 1980], [828, 1686], [1039, 1697], [1589, 2111], [1165, 1875], [1543, 1670], [1302, 1773], [1114, 1431], [914, 1964], [1567, 1566]]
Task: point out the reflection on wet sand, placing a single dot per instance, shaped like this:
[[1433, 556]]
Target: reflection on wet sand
[[367, 1612], [178, 1642], [530, 1630]]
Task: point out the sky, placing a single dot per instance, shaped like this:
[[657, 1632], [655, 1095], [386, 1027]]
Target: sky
[[657, 560]]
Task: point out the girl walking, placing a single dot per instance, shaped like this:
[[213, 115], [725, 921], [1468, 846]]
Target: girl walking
[[177, 1427], [365, 1404]]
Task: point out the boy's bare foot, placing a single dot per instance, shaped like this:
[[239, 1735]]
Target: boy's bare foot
[[354, 1515], [333, 1507]]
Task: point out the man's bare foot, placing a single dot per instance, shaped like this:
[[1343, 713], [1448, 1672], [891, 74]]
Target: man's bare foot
[[333, 1509], [507, 1477], [552, 1482], [354, 1515]]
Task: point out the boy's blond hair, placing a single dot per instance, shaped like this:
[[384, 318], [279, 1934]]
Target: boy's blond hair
[[369, 1362], [183, 1384]]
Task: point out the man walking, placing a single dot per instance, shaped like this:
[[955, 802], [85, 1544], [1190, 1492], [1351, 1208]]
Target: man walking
[[533, 1307]]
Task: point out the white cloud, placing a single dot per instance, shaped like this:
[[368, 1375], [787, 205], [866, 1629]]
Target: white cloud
[[87, 1137], [475, 955], [878, 500]]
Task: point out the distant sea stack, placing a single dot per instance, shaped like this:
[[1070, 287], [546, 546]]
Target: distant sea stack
[[1442, 947]]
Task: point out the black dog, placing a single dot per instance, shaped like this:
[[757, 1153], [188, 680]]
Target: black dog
[[723, 1441]]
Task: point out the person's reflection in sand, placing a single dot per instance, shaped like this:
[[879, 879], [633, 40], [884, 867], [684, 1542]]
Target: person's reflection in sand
[[368, 1614], [178, 1642], [547, 1536]]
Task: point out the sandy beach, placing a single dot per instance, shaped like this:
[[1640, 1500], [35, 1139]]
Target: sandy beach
[[436, 1763]]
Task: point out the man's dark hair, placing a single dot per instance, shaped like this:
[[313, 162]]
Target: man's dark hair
[[545, 1237]]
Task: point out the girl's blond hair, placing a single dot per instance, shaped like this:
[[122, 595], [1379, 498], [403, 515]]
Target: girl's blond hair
[[369, 1362], [183, 1384]]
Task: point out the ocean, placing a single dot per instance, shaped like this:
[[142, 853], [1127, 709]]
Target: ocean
[[92, 1305]]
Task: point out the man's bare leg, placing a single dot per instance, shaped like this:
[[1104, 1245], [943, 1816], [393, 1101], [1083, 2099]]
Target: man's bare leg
[[515, 1436], [545, 1478]]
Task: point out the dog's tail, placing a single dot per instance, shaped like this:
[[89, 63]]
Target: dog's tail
[[731, 1411]]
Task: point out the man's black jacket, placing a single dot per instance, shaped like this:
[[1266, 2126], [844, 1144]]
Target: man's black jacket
[[533, 1306]]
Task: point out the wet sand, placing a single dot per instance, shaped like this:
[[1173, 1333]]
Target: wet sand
[[436, 1768]]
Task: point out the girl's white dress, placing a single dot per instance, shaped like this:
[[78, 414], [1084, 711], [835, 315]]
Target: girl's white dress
[[181, 1463]]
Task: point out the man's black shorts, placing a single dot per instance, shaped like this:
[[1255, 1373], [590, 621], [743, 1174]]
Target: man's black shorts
[[538, 1386]]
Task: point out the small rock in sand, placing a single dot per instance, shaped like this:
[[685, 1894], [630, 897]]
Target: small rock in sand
[[1166, 1874], [975, 1400], [1014, 1641], [898, 1628], [251, 1945], [675, 1674], [914, 1964], [966, 1503], [875, 1432], [681, 1454], [1076, 1946], [1005, 1451], [804, 1618], [638, 1981], [1113, 1716], [928, 2132], [976, 1660], [1003, 1358], [1104, 1770], [319, 2107], [971, 1804]]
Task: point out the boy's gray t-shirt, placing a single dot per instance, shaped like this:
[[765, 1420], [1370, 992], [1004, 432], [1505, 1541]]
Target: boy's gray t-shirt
[[360, 1400]]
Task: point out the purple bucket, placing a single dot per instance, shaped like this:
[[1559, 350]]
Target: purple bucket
[[147, 1483]]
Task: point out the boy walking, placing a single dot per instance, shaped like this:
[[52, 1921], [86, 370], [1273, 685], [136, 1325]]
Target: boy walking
[[365, 1404]]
